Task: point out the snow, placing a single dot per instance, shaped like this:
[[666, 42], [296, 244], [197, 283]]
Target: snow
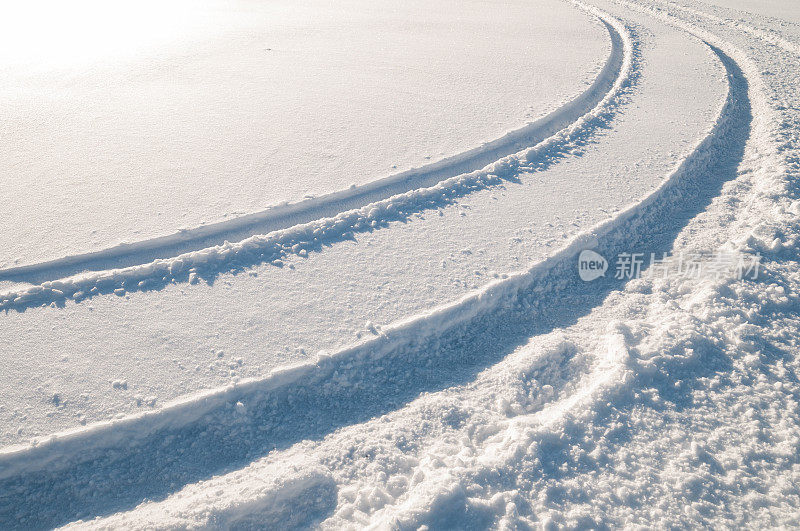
[[398, 274], [432, 359], [248, 105]]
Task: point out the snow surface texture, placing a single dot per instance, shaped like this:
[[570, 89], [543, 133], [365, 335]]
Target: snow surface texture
[[536, 399], [230, 326], [221, 108]]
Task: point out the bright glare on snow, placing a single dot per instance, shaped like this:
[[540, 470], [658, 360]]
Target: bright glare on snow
[[46, 34]]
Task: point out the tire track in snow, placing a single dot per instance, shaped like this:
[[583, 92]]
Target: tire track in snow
[[537, 375], [114, 465], [308, 237], [329, 205], [737, 221], [767, 37], [434, 493]]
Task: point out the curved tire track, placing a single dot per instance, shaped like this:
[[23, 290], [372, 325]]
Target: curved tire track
[[329, 205], [152, 454], [307, 237], [770, 38]]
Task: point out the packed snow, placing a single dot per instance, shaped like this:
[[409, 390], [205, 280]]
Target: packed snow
[[351, 294]]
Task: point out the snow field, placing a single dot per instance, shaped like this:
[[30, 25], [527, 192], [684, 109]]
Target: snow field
[[353, 288], [673, 394], [533, 400], [246, 106]]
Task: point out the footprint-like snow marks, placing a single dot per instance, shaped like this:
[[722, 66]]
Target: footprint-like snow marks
[[474, 169], [116, 464], [542, 372]]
